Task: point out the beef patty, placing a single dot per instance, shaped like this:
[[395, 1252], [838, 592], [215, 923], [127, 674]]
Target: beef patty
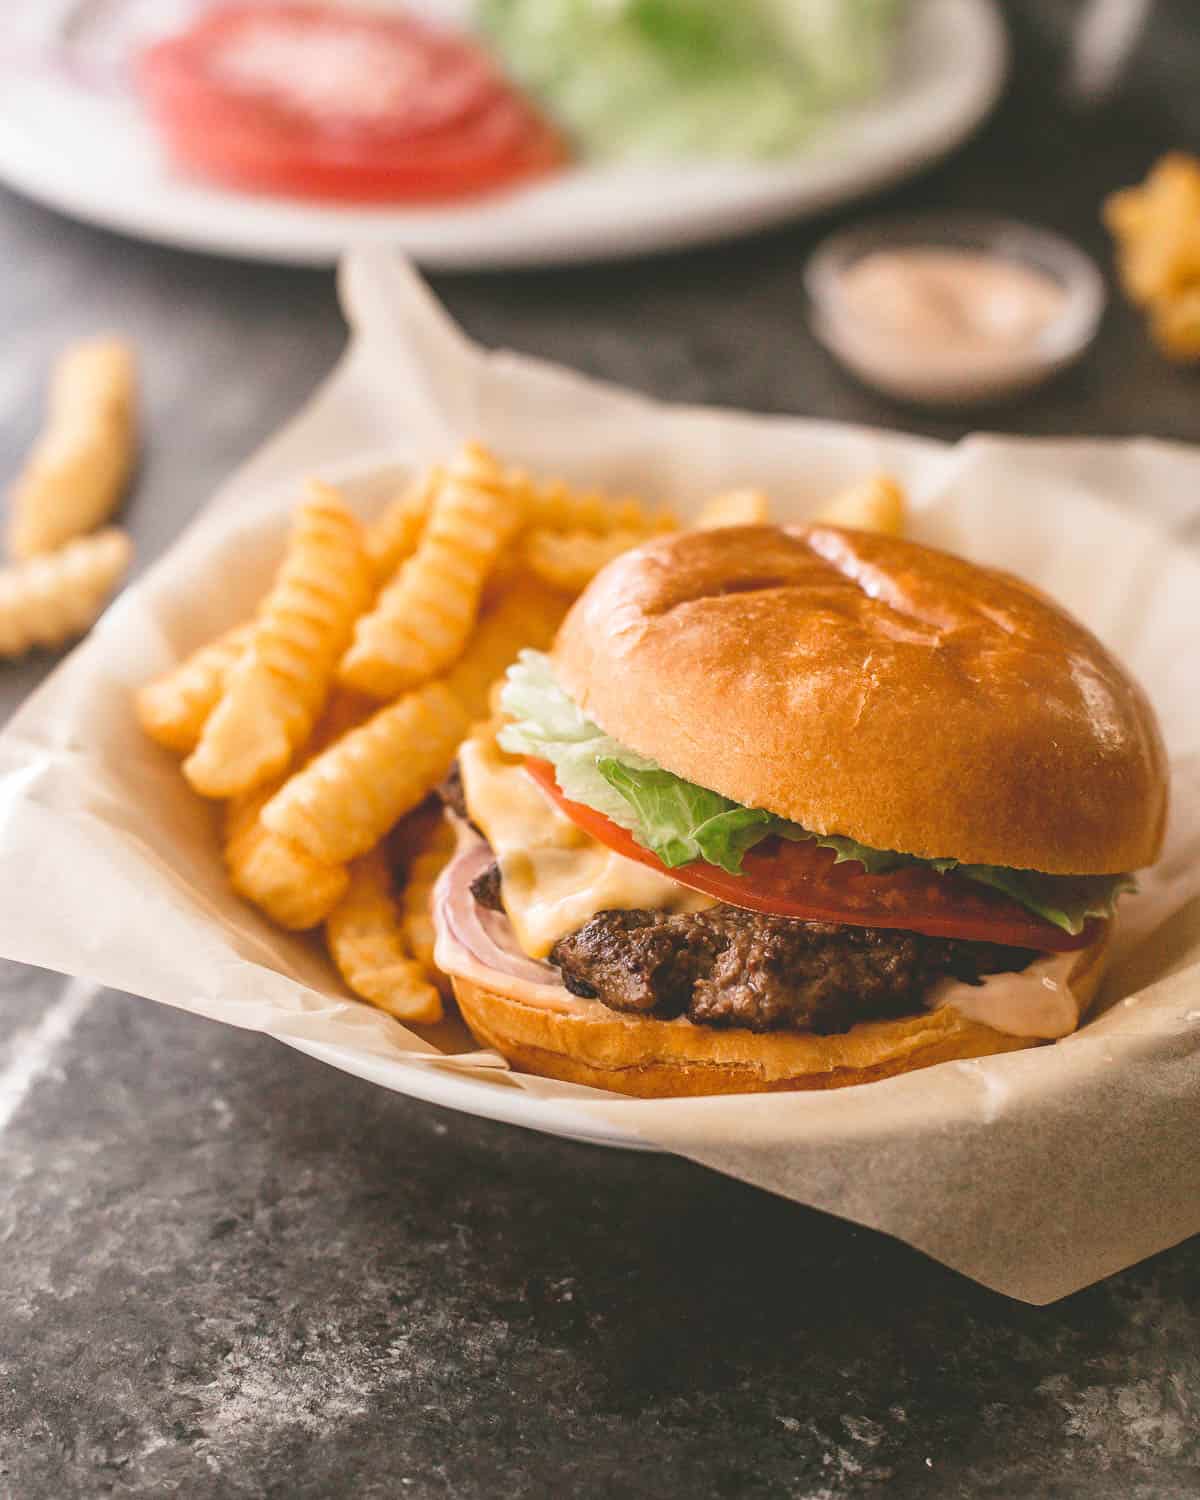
[[730, 967]]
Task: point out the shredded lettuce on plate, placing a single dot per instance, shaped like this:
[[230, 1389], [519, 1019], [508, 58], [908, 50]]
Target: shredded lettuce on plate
[[681, 822], [660, 79]]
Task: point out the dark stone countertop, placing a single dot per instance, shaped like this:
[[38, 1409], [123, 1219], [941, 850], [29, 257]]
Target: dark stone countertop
[[229, 1271]]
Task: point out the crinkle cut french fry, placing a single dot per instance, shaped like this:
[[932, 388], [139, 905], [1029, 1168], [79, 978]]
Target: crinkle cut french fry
[[79, 466], [366, 941], [1126, 212], [345, 711], [52, 599], [569, 560], [734, 508], [422, 620], [275, 874], [413, 832], [348, 797], [276, 690], [558, 507], [1157, 227], [173, 708], [1175, 324], [528, 615], [396, 533], [1157, 232], [416, 898], [877, 504], [508, 572]]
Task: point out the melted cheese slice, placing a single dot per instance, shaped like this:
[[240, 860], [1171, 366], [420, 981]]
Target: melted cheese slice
[[554, 877]]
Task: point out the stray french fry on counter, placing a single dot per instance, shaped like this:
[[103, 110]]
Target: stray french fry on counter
[[50, 600], [78, 468], [1157, 231], [328, 719]]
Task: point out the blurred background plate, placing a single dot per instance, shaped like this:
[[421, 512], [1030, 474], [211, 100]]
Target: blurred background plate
[[90, 154]]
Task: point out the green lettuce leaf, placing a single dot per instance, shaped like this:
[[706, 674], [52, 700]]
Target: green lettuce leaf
[[547, 724], [1066, 900], [874, 861], [681, 822]]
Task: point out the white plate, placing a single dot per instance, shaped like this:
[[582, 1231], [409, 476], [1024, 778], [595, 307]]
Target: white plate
[[91, 155]]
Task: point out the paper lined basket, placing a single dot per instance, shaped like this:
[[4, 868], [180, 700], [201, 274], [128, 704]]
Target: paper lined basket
[[1034, 1172]]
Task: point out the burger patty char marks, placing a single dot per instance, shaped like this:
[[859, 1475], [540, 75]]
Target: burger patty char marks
[[731, 967]]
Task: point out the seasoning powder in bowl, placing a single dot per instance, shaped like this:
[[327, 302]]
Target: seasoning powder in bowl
[[954, 312]]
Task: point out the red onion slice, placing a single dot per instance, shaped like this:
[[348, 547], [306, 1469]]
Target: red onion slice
[[472, 938]]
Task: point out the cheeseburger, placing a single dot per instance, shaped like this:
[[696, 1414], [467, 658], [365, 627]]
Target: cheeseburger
[[795, 808]]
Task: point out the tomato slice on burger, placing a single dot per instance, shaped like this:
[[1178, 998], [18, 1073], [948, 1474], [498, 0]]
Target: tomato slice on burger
[[314, 101], [803, 880]]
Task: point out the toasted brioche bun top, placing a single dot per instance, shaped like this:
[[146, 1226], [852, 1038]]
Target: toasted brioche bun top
[[875, 688]]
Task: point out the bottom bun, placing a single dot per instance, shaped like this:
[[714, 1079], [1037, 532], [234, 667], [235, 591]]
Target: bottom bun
[[671, 1059]]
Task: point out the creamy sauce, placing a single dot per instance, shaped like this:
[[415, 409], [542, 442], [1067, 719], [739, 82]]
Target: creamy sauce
[[937, 300], [939, 322], [478, 945], [1039, 1002], [481, 946], [554, 877]]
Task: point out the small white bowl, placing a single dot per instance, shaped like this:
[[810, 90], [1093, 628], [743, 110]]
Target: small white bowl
[[954, 377]]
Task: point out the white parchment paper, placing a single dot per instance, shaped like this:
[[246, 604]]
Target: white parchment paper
[[1035, 1172]]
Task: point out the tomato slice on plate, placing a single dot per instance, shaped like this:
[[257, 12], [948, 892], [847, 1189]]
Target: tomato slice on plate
[[803, 880], [314, 101]]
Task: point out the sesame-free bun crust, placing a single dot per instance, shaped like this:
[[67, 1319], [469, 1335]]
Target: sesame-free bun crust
[[871, 687], [672, 1059]]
